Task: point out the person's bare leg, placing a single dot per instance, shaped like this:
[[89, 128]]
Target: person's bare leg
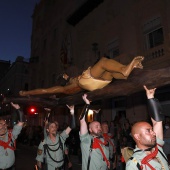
[[52, 90], [71, 88], [135, 63], [109, 76], [109, 65]]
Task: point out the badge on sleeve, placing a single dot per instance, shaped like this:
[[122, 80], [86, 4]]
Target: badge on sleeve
[[39, 152]]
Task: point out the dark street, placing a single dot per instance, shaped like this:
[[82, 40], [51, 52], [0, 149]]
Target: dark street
[[25, 158]]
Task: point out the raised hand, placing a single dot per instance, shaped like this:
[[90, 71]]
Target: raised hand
[[47, 109], [16, 106], [71, 108], [149, 92], [87, 101], [96, 111]]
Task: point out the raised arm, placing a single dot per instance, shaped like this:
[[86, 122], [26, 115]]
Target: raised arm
[[155, 111], [72, 123], [46, 120], [96, 115], [20, 114], [83, 124]]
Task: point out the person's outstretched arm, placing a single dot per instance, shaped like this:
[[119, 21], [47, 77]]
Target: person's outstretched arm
[[46, 120], [155, 111], [72, 123], [19, 113], [83, 124], [96, 114]]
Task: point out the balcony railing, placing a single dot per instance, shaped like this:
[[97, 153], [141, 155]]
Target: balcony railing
[[154, 53]]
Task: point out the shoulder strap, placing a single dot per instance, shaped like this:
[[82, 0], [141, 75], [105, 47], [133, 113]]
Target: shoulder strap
[[60, 143], [12, 140], [97, 145], [90, 151], [163, 156], [151, 156], [136, 162], [47, 149]]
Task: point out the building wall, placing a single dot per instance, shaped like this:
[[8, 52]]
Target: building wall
[[136, 108], [115, 27], [4, 66], [15, 79], [111, 21]]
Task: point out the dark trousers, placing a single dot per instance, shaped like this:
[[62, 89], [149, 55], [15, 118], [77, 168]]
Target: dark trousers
[[45, 168], [59, 168]]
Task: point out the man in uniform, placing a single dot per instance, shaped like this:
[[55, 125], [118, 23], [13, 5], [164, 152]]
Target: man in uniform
[[148, 153], [112, 148], [52, 147], [7, 140], [46, 121], [95, 152]]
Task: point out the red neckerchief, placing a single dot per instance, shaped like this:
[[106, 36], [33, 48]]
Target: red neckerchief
[[97, 145], [6, 144], [107, 137], [149, 157]]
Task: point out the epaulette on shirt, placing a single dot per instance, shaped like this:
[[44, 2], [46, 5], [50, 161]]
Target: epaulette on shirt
[[136, 162]]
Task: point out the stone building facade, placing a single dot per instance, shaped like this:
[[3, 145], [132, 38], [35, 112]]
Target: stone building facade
[[69, 36], [14, 79]]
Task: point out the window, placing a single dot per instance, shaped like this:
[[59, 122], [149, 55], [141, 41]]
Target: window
[[113, 48], [44, 44], [26, 71], [42, 83], [54, 78], [155, 38], [34, 59], [55, 33], [26, 86], [153, 32]]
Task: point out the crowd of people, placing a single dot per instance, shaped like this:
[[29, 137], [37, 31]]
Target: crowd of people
[[99, 145]]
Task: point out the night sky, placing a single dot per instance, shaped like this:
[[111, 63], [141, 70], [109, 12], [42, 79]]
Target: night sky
[[15, 28]]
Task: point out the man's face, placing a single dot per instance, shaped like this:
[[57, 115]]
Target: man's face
[[53, 129], [3, 127], [95, 129], [105, 128], [147, 136]]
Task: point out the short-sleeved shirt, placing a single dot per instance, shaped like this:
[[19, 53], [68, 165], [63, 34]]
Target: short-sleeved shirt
[[56, 151], [97, 162], [7, 156], [138, 156]]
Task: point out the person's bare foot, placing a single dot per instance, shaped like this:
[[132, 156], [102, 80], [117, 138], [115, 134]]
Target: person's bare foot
[[21, 93], [65, 76], [135, 63], [47, 109]]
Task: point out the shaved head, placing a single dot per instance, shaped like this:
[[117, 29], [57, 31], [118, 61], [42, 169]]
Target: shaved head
[[95, 128], [143, 135], [137, 127], [92, 124]]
